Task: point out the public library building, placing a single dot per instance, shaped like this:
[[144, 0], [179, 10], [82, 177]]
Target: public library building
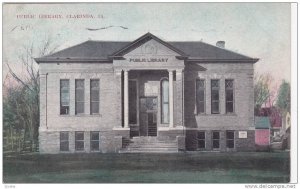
[[146, 95]]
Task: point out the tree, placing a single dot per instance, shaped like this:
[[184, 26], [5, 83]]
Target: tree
[[283, 101], [13, 117], [261, 90], [21, 105]]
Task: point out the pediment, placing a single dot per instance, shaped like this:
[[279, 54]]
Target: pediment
[[149, 46], [152, 48]]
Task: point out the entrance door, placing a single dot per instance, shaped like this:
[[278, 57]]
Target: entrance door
[[148, 116]]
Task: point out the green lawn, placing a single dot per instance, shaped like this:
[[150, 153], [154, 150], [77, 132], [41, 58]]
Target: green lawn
[[148, 168]]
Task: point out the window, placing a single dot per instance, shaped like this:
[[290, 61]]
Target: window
[[201, 139], [132, 102], [229, 95], [79, 141], [79, 96], [64, 141], [165, 101], [64, 97], [200, 95], [94, 87], [215, 96], [94, 141], [230, 139], [216, 139]]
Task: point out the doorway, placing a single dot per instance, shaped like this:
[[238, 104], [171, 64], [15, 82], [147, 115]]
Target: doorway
[[148, 116]]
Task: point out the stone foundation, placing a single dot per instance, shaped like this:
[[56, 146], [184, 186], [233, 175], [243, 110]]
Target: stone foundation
[[240, 144], [49, 142]]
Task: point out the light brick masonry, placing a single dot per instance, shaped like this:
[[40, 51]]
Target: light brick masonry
[[111, 120]]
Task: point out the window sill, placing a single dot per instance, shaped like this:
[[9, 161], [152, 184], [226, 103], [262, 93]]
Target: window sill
[[163, 125], [94, 115], [79, 151], [95, 151], [82, 115], [204, 114], [64, 115]]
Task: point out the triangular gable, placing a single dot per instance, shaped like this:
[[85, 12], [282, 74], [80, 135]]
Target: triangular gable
[[140, 41]]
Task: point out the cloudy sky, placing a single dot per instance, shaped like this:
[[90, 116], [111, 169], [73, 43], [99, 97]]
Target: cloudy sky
[[259, 30]]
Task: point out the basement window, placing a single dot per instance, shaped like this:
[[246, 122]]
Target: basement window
[[95, 139], [230, 139], [64, 141], [216, 139], [201, 139], [79, 140]]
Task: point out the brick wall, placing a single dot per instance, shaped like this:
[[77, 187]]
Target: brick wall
[[243, 116], [50, 142], [52, 122], [241, 120], [240, 144], [110, 115]]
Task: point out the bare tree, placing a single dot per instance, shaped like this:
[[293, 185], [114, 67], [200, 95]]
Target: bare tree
[[27, 110], [263, 93]]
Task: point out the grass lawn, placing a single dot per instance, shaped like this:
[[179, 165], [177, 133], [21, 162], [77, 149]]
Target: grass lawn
[[205, 167]]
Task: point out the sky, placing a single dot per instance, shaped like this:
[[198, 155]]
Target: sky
[[258, 30]]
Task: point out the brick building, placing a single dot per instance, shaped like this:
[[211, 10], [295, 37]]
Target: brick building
[[146, 96]]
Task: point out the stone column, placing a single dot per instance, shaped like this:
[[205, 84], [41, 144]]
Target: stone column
[[178, 99], [171, 101], [126, 99], [118, 85]]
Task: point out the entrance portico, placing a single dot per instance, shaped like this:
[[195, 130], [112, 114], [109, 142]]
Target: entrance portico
[[164, 63], [171, 98], [152, 88]]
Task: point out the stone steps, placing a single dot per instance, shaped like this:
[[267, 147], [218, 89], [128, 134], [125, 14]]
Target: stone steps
[[150, 145], [148, 151]]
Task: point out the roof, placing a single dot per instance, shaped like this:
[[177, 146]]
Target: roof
[[274, 116], [262, 123], [106, 50]]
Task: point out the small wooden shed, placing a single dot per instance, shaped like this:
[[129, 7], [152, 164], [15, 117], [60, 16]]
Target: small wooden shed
[[262, 133]]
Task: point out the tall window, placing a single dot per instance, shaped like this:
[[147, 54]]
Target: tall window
[[94, 141], [79, 141], [229, 96], [132, 101], [230, 139], [165, 101], [64, 141], [94, 87], [201, 139], [216, 139], [200, 95], [79, 96], [215, 87], [64, 97]]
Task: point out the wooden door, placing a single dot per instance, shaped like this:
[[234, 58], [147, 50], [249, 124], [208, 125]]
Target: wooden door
[[148, 114]]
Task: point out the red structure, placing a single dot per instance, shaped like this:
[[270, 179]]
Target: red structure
[[262, 133], [262, 137]]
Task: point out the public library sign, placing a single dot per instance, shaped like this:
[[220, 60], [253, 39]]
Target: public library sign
[[148, 59]]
